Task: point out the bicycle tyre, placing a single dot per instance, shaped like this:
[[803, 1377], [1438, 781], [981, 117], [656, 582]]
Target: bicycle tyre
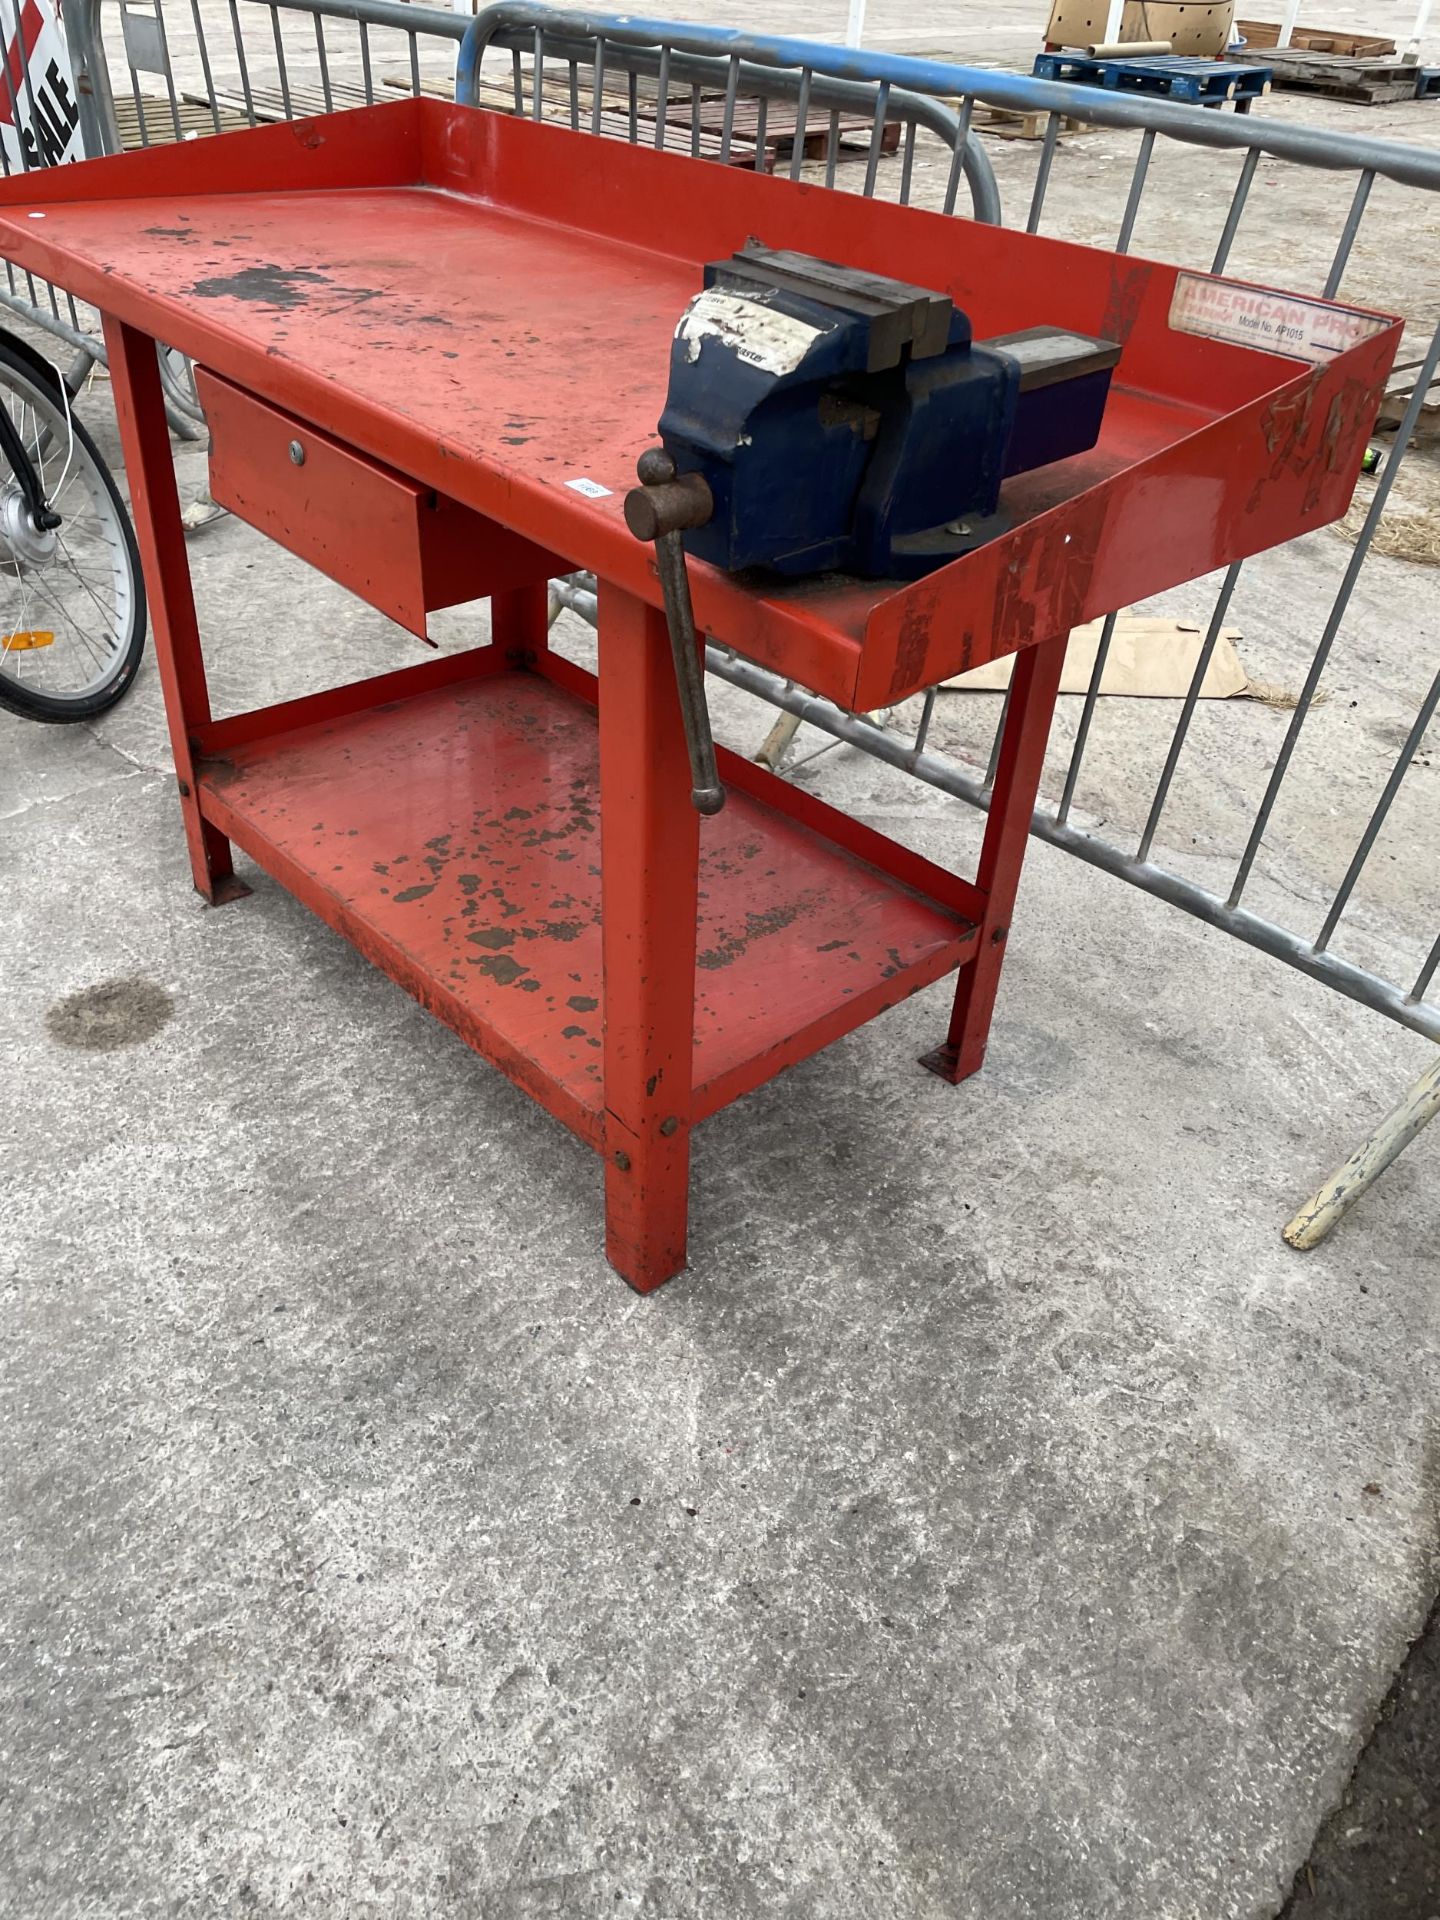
[[28, 383]]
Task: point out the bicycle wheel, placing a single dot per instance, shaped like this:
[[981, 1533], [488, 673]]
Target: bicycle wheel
[[72, 601], [182, 402]]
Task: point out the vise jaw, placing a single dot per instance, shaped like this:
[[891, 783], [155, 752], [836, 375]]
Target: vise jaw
[[842, 420]]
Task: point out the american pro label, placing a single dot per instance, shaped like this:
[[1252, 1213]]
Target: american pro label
[[1273, 322]]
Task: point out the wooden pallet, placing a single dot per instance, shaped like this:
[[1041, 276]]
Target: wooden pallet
[[1356, 46], [1372, 83], [1399, 389], [853, 131], [197, 113], [300, 101], [1008, 124], [499, 97], [153, 113]]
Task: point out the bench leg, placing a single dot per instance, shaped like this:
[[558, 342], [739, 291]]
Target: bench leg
[[160, 534], [1033, 689], [519, 621], [649, 853]]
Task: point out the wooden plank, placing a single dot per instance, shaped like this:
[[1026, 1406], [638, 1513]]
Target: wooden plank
[[1266, 33], [1399, 390], [1007, 124]]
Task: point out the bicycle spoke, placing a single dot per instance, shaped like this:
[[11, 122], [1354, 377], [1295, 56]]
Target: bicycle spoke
[[78, 633], [8, 652], [78, 630]]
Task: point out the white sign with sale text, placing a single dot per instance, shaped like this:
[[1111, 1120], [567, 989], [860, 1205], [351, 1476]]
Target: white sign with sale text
[[39, 117]]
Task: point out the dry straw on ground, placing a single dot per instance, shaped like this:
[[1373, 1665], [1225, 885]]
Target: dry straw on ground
[[1409, 528]]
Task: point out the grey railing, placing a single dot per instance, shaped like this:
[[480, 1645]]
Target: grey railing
[[606, 42]]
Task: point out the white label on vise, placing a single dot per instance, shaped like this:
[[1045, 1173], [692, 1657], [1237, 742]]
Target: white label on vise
[[591, 489], [759, 335], [1273, 322]]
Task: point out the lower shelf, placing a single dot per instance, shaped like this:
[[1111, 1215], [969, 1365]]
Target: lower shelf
[[453, 836]]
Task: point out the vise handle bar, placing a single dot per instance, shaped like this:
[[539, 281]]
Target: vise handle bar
[[660, 509]]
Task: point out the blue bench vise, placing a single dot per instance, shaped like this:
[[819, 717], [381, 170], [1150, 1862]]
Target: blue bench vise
[[847, 422]]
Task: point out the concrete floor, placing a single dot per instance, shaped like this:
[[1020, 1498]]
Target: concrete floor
[[981, 1526], [997, 1520]]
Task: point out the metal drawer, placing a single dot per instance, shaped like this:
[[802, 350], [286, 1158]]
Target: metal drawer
[[396, 544]]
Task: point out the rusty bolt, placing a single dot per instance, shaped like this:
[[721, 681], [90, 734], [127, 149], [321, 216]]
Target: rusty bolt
[[622, 1160], [297, 454], [655, 468], [667, 1127], [666, 502], [998, 935]]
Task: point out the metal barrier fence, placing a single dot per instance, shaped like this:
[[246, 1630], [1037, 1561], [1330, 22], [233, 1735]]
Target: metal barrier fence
[[658, 49], [175, 74], [909, 129], [211, 79]]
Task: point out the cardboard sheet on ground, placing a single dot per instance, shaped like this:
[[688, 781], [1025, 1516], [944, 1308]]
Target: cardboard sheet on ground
[[1150, 657]]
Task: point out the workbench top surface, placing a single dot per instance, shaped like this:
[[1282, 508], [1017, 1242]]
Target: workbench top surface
[[488, 305]]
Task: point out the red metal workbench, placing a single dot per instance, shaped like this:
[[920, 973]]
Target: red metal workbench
[[421, 325]]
